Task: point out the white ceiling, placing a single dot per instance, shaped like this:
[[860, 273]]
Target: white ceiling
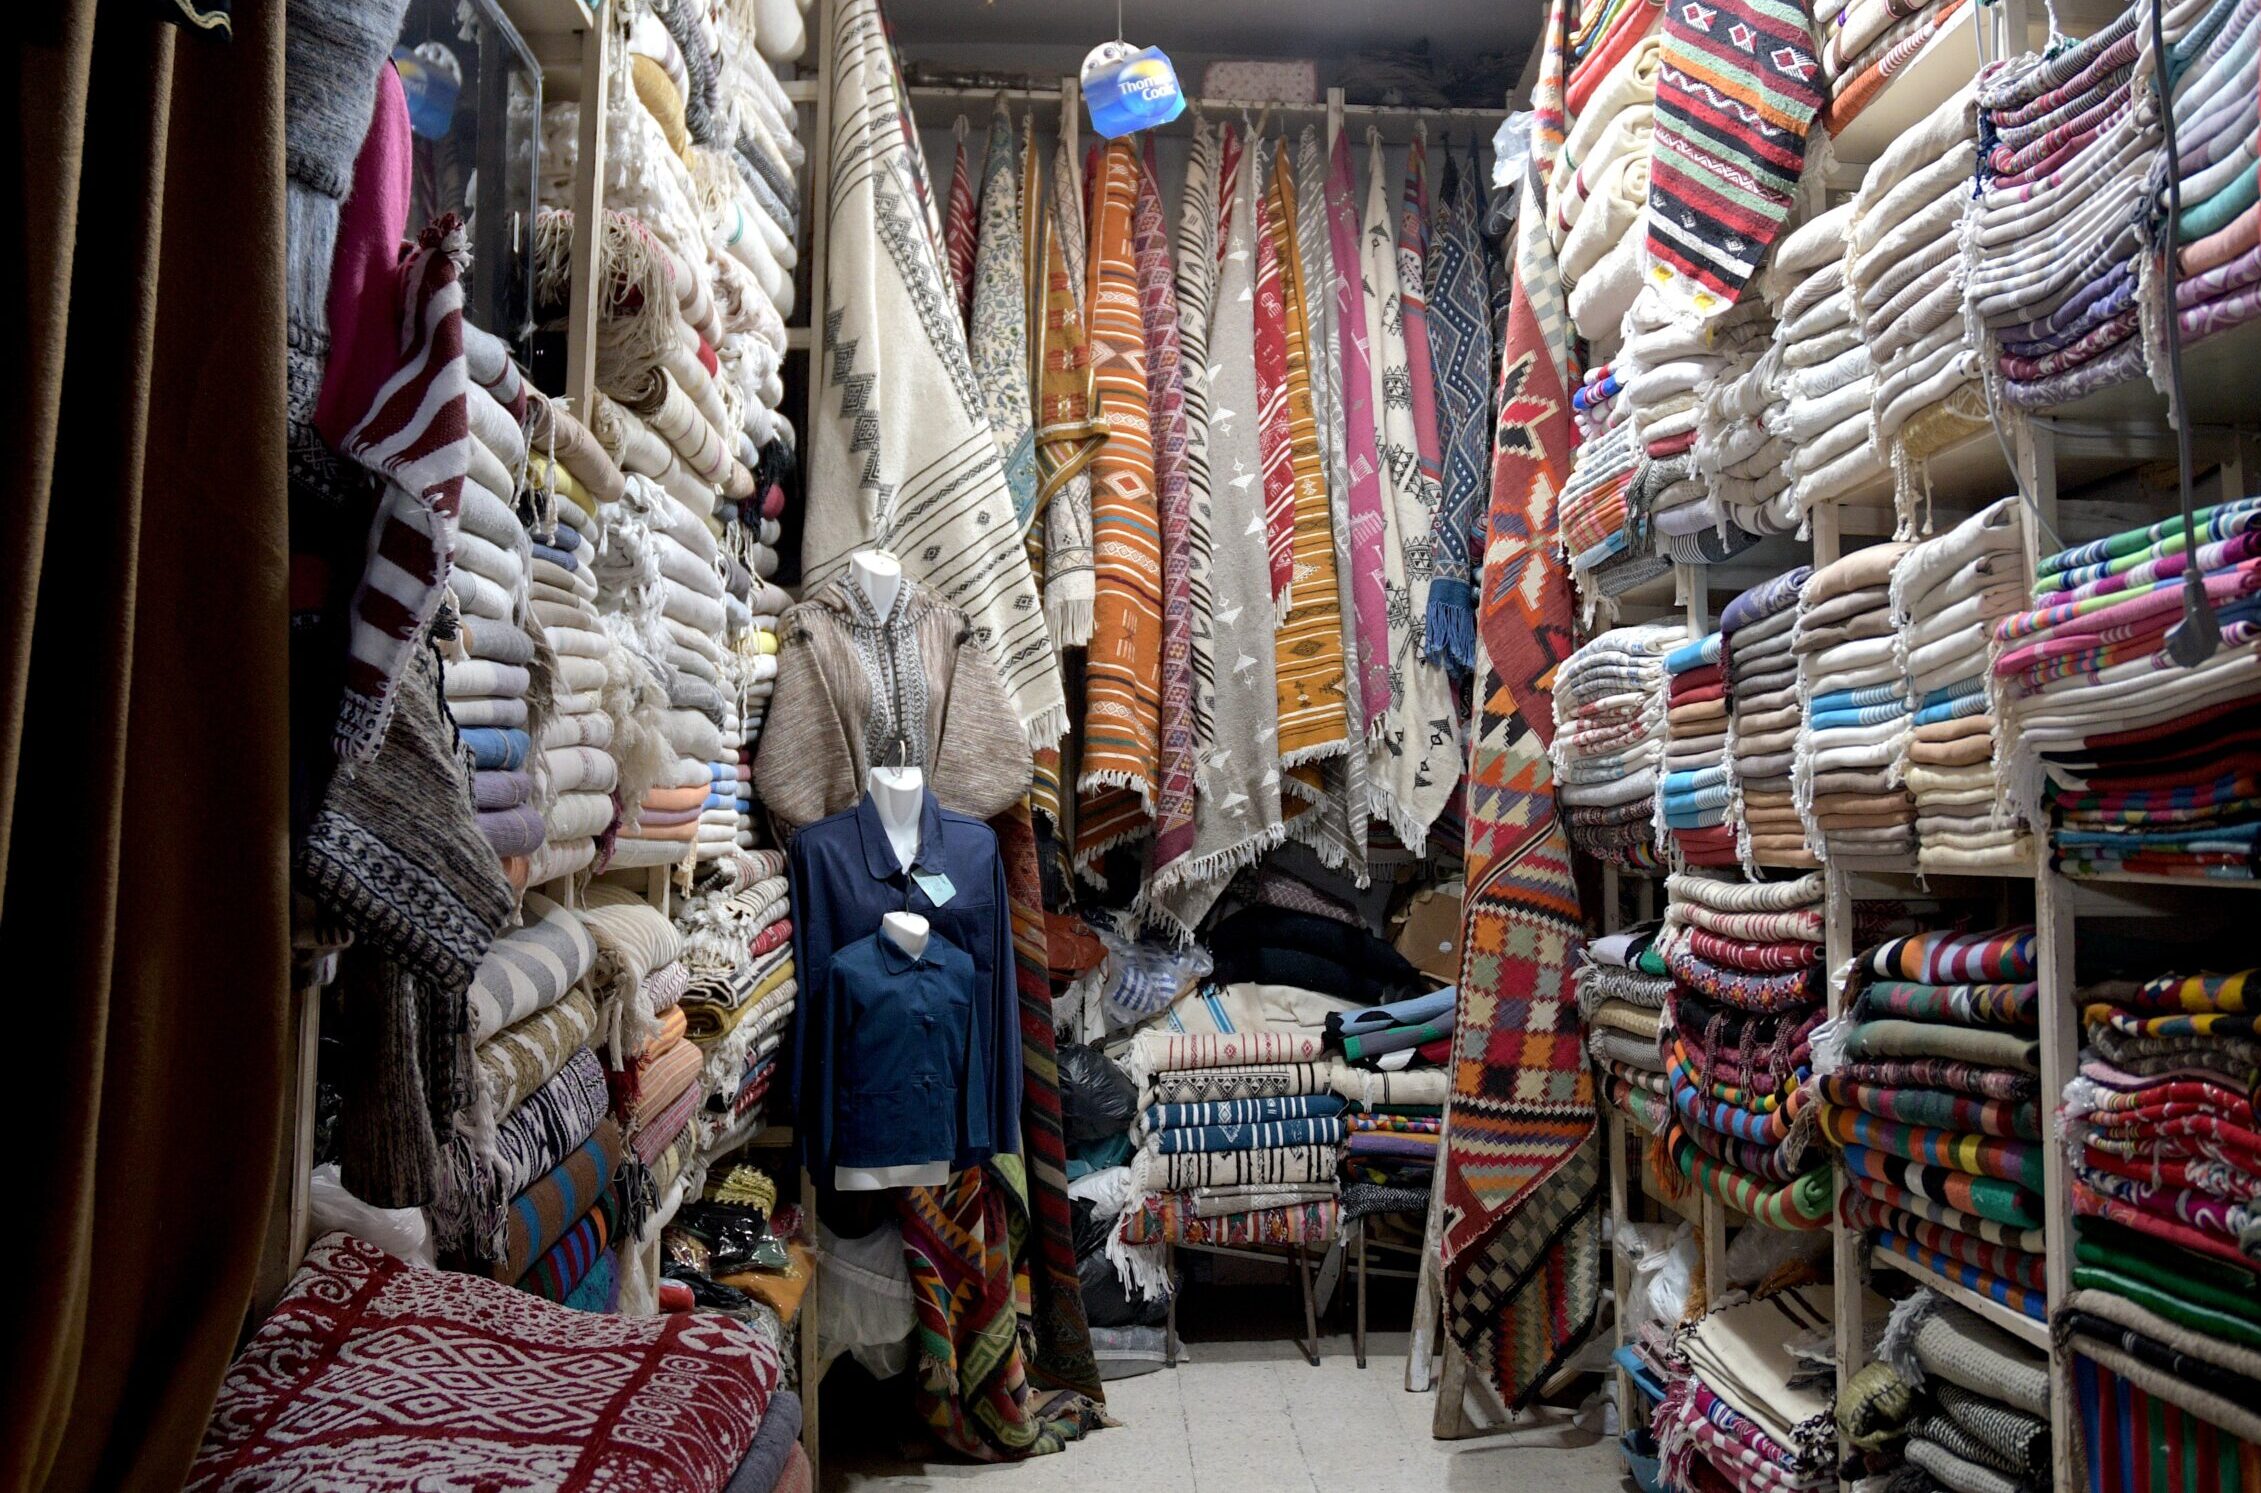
[[1245, 28]]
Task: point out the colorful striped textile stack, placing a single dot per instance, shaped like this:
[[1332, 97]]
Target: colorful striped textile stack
[[739, 1004], [1847, 772], [1698, 784], [2217, 238], [1745, 958], [1977, 1399], [2142, 765], [2164, 1319], [1933, 1099], [1623, 985], [1946, 595], [1867, 44], [1741, 1411], [1765, 717], [1609, 743]]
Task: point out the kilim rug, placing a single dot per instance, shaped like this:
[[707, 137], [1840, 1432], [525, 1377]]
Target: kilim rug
[[971, 1387], [1122, 665], [1737, 86], [1062, 1354], [1523, 1162]]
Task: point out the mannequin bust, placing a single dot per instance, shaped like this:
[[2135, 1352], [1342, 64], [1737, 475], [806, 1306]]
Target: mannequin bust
[[879, 575], [906, 931], [899, 793]]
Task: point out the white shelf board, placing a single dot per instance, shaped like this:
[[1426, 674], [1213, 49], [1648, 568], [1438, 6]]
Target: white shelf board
[[546, 17], [2016, 1323]]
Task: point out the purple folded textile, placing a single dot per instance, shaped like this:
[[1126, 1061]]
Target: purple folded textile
[[1764, 600], [2122, 363], [501, 790], [513, 831]]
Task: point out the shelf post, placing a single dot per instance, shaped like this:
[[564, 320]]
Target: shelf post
[[588, 212]]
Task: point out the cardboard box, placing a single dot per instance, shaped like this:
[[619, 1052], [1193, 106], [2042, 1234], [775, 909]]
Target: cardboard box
[[1429, 936]]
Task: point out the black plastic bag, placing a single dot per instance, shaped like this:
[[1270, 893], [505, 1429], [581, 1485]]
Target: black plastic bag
[[1107, 1304], [1097, 1099]]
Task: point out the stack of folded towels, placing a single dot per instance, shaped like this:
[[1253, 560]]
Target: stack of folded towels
[[1663, 366], [1623, 984], [1698, 785], [1594, 529], [1747, 995], [1946, 596], [757, 650], [2148, 766], [1747, 1407], [2056, 228], [2164, 1310], [1765, 719], [1608, 747], [1933, 1096], [1847, 772], [1824, 376], [1868, 43], [740, 1003], [1739, 448], [568, 478], [1600, 181], [1905, 266], [2217, 238], [1977, 1399]]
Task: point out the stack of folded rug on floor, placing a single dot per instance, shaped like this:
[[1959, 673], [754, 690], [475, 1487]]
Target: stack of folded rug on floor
[[1935, 1103], [1823, 374], [2217, 238], [1946, 596], [1698, 784], [1751, 1400], [2143, 765], [373, 1373], [1904, 265], [1608, 747], [738, 941], [1242, 1139], [1747, 994], [1978, 1407], [1868, 43], [1765, 718], [2057, 223], [1623, 985], [1847, 772]]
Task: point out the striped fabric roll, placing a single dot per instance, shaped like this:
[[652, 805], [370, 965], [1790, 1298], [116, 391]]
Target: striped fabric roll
[[529, 969]]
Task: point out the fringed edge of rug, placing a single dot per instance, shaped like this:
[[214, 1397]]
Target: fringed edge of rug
[[1218, 865], [1323, 751], [1048, 727]]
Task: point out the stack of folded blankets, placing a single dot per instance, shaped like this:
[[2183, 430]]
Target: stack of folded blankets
[[1698, 785], [1935, 1103], [1242, 1137], [1977, 1415], [1390, 1151], [1823, 374], [2217, 238], [1663, 366], [738, 941], [757, 652], [2149, 767], [1739, 446], [1623, 984], [1745, 959], [638, 980], [1608, 747], [2164, 1319], [1595, 534], [1600, 182], [1765, 718], [1946, 596], [1869, 43], [2057, 224], [1751, 1397], [1905, 267], [1847, 772], [556, 1150]]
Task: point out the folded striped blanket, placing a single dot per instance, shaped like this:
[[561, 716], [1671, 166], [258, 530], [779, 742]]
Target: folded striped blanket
[[1271, 1135], [1243, 1111]]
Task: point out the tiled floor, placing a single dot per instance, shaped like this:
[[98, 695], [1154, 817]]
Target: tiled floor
[[1253, 1417]]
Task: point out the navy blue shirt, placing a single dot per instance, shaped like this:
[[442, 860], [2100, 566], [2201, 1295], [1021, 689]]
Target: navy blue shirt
[[844, 879], [907, 1083]]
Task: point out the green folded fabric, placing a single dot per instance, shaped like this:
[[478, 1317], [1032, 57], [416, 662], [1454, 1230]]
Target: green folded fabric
[[2175, 1308]]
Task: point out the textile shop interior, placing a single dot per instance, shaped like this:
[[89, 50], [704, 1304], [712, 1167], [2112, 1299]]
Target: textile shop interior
[[1537, 725]]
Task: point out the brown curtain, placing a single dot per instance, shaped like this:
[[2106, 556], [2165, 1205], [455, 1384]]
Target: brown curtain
[[144, 910]]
